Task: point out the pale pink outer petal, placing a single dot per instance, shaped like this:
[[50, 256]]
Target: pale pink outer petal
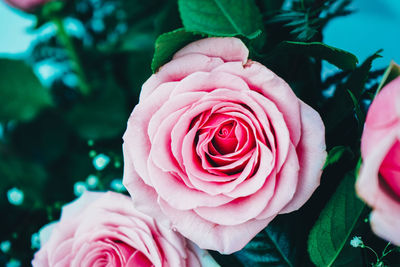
[[178, 69], [222, 238], [136, 138], [383, 114], [311, 153], [228, 49], [386, 225]]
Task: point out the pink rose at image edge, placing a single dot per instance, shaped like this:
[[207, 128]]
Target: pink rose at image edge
[[379, 181], [26, 5], [105, 228], [219, 145]]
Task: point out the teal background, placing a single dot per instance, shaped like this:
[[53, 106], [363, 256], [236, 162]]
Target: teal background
[[375, 24]]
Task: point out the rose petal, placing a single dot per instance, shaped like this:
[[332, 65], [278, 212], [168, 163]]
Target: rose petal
[[224, 239], [229, 49], [176, 70], [311, 153]]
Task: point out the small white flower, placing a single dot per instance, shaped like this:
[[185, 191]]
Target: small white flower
[[92, 181], [5, 246], [79, 188], [101, 161], [117, 185], [35, 241], [15, 196], [356, 242]]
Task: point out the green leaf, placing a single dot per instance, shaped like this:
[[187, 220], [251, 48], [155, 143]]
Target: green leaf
[[168, 44], [391, 73], [222, 17], [335, 154], [274, 246], [342, 105], [21, 94], [359, 113], [359, 77], [338, 57], [102, 116], [328, 243]]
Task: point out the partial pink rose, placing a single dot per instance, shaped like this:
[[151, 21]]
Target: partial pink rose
[[104, 229], [219, 145], [27, 5], [379, 181]]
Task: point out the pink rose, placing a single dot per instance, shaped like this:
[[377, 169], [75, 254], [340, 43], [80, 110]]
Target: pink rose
[[104, 229], [219, 145], [27, 5], [379, 180]]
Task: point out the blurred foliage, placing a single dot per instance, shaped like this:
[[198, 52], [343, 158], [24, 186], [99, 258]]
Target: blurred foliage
[[50, 137]]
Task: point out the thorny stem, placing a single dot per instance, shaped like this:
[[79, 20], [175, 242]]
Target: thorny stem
[[75, 61]]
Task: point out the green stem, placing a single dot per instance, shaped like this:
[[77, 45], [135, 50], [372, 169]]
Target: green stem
[[75, 61], [376, 255]]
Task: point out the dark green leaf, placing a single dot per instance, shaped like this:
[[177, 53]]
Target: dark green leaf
[[102, 116], [221, 17], [392, 72], [21, 94], [359, 77], [338, 57], [274, 246], [342, 105], [329, 238], [359, 114], [335, 154], [169, 43]]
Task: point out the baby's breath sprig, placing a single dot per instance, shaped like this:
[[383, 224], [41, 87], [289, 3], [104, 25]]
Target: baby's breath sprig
[[357, 242]]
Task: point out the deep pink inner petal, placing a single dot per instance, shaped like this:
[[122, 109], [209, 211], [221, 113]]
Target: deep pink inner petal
[[223, 143], [225, 140], [390, 168], [139, 259]]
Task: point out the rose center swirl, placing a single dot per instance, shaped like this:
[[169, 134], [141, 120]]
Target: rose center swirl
[[224, 143]]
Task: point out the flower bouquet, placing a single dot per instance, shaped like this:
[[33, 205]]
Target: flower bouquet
[[240, 148]]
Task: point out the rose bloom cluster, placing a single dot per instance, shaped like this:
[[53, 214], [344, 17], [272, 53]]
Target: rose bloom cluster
[[379, 181], [216, 148]]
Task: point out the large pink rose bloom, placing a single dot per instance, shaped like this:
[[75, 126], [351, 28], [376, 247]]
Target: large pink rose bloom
[[379, 180], [219, 145], [104, 229], [27, 5]]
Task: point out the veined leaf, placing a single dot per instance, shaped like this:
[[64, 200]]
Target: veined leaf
[[338, 57], [329, 237], [21, 94], [221, 17], [274, 246], [335, 154], [168, 44]]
